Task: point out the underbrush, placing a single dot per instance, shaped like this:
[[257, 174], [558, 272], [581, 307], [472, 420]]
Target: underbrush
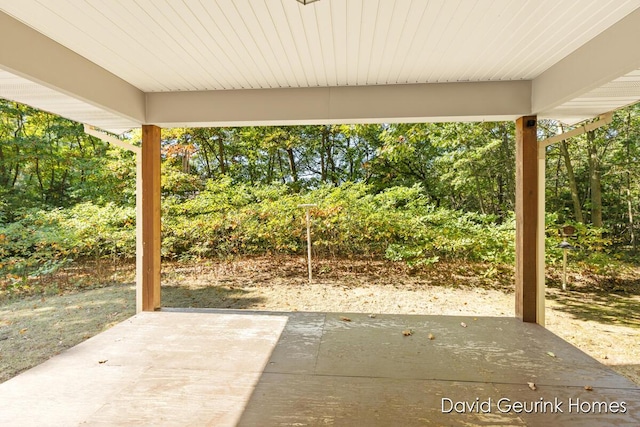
[[74, 276], [224, 220]]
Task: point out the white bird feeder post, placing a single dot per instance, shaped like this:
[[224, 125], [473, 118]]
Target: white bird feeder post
[[566, 231], [565, 246], [307, 208]]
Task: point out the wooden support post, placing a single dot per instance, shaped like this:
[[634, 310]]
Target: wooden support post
[[150, 175], [139, 243], [527, 219]]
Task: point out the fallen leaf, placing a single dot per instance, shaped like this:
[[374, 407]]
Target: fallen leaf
[[464, 325], [102, 361], [588, 388], [23, 331], [407, 332], [532, 386], [550, 353], [373, 316], [431, 336], [345, 319]]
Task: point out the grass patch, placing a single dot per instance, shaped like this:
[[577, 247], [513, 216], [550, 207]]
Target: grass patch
[[36, 328]]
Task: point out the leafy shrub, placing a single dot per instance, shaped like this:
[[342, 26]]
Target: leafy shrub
[[223, 219], [41, 241]]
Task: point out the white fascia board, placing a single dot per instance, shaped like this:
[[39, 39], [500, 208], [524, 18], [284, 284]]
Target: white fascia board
[[358, 104], [227, 107], [430, 102], [35, 57], [612, 54]]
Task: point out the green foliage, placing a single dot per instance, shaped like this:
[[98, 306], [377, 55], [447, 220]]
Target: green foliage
[[176, 182], [34, 245], [49, 162], [227, 219], [414, 193], [39, 241]]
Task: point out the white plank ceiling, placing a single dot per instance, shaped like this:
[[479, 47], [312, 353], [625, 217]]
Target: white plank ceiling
[[182, 45], [27, 92], [191, 45]]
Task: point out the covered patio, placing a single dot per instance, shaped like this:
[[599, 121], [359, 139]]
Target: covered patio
[[226, 368], [115, 66]]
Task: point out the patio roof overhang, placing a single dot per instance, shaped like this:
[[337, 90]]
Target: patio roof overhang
[[118, 65]]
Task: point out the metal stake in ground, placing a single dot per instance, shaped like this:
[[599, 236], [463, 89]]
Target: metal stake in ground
[[307, 207]]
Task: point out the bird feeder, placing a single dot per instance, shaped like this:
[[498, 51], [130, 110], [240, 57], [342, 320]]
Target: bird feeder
[[307, 208], [565, 246], [568, 231]]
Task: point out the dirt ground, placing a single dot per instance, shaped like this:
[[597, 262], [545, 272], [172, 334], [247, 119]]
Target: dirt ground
[[601, 319]]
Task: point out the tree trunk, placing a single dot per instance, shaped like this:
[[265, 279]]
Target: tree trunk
[[292, 164], [594, 180], [577, 208], [350, 159], [632, 237], [330, 161], [16, 174], [323, 166], [282, 175], [270, 167], [184, 160], [39, 177], [207, 163], [4, 177], [223, 166], [479, 194]]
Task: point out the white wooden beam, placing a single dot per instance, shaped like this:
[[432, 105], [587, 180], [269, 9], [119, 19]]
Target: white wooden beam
[[35, 57], [603, 119], [360, 104], [90, 130], [612, 54]]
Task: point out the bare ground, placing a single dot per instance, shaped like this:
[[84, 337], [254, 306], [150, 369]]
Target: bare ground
[[600, 316]]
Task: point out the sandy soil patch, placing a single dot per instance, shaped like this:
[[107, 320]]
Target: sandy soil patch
[[603, 323]]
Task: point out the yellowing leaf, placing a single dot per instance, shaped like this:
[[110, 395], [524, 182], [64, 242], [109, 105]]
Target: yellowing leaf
[[532, 386], [550, 353], [407, 332], [588, 388], [23, 331], [431, 336]]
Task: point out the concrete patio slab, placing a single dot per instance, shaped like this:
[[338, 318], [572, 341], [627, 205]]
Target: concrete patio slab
[[225, 368]]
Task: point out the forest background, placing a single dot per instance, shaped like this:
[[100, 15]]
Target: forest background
[[419, 194]]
